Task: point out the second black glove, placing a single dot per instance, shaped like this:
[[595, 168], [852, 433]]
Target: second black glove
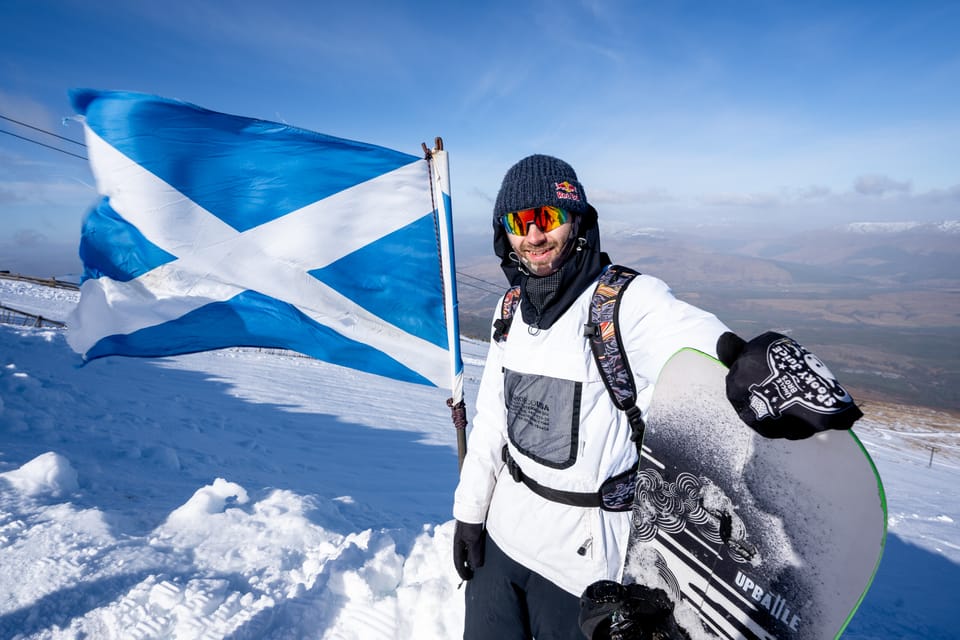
[[468, 548]]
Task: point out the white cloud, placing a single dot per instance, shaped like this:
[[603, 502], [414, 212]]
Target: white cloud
[[740, 199], [950, 194], [646, 196], [8, 196], [879, 184], [28, 238], [814, 192], [47, 192]]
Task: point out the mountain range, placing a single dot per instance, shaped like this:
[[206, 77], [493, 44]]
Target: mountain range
[[880, 301]]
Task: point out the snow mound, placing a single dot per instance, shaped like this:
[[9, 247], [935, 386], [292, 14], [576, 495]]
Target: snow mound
[[208, 500], [49, 474]]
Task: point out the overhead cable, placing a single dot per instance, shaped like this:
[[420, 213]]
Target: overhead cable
[[49, 133], [48, 146]]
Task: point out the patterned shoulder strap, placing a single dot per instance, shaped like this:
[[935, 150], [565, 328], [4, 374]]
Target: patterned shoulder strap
[[501, 327], [605, 342]]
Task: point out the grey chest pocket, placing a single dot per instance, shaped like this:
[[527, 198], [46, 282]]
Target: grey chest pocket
[[543, 417]]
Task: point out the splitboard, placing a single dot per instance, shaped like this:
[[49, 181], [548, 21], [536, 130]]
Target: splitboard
[[752, 537]]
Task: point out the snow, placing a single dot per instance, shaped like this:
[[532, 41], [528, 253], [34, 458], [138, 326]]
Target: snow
[[250, 494], [946, 226], [47, 474]]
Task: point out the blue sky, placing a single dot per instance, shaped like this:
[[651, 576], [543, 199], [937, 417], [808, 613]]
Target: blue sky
[[772, 114]]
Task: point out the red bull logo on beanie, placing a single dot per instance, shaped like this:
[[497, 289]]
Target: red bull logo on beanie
[[566, 191]]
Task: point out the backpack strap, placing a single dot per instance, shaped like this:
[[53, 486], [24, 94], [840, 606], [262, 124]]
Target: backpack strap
[[508, 307], [603, 334]]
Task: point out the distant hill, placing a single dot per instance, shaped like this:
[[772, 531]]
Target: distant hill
[[879, 301], [884, 253]]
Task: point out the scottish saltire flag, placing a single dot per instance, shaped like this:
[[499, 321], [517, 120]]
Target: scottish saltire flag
[[215, 230]]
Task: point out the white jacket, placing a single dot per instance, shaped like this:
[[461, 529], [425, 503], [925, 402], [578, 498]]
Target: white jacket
[[547, 372]]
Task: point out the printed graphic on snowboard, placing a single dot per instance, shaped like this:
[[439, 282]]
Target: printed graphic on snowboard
[[753, 537]]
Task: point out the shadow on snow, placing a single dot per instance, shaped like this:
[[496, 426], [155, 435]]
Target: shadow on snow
[[913, 596], [143, 438]]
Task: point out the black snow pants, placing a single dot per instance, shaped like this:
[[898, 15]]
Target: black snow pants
[[507, 601]]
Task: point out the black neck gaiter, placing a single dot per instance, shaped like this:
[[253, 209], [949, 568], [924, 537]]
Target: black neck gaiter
[[541, 290], [544, 299]]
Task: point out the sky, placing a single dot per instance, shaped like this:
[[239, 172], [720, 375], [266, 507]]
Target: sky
[[229, 494], [674, 114]]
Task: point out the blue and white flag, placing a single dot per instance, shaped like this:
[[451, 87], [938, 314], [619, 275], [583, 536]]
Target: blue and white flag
[[215, 230]]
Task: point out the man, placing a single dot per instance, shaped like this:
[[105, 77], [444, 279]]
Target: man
[[529, 548]]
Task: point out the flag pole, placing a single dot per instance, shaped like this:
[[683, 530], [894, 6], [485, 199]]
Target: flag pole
[[440, 174]]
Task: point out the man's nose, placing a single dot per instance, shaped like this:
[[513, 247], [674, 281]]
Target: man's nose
[[535, 234]]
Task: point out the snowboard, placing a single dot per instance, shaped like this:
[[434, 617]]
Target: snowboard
[[751, 537]]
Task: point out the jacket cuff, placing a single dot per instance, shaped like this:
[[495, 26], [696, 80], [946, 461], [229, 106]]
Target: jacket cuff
[[469, 514]]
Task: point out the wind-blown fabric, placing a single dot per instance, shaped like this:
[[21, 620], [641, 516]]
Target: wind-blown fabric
[[215, 230]]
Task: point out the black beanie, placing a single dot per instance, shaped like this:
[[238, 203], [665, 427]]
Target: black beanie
[[540, 180]]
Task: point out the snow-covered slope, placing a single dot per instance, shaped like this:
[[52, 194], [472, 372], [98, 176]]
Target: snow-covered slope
[[241, 494]]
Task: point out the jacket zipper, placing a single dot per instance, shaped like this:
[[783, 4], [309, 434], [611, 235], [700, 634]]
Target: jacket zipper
[[585, 547]]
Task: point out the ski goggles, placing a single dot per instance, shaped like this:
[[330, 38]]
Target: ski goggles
[[546, 218]]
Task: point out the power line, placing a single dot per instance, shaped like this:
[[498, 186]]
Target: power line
[[470, 284], [478, 279], [493, 287], [49, 133], [43, 144]]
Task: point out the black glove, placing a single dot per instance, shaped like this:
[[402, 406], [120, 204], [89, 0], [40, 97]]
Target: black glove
[[781, 390], [468, 543], [611, 611]]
